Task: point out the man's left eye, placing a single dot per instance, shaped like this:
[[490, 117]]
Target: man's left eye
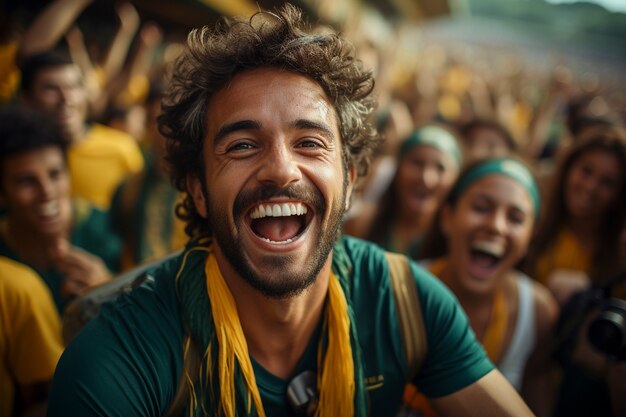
[[310, 144], [240, 146]]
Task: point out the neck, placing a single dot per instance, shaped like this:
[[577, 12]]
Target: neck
[[278, 331], [585, 230], [33, 248], [76, 133], [414, 221], [470, 301], [408, 228]]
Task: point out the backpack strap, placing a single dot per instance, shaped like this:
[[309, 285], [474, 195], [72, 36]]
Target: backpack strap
[[409, 311]]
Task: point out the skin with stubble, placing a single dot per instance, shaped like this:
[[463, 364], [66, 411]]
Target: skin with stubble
[[273, 145]]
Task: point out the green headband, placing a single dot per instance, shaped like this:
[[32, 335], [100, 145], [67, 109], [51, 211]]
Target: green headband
[[434, 136], [507, 167]]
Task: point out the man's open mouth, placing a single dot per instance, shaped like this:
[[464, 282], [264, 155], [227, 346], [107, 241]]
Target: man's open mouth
[[280, 223]]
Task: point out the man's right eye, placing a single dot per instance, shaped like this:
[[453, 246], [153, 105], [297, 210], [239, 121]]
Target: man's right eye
[[239, 146]]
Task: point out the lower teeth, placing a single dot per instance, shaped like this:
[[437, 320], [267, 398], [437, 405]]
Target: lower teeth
[[278, 243]]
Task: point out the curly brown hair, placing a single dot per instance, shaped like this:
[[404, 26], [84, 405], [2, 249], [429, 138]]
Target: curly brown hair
[[283, 40]]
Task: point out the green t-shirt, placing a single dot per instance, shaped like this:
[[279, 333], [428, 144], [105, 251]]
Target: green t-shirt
[[128, 360]]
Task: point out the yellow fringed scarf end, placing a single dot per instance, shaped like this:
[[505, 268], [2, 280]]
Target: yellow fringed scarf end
[[231, 340], [336, 383]]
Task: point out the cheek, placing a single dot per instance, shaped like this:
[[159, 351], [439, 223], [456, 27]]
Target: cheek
[[447, 179], [64, 186], [522, 237], [608, 195]]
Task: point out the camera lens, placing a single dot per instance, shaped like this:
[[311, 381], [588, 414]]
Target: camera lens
[[607, 332]]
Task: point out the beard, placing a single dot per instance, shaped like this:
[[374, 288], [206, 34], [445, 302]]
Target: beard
[[285, 281]]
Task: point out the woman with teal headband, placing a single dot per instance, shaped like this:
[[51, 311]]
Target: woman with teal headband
[[428, 162], [483, 231]]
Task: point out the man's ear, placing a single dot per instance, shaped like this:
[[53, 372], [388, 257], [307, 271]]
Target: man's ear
[[194, 188], [352, 177]]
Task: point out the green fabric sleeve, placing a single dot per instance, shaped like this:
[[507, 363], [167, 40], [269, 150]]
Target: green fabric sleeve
[[127, 361]]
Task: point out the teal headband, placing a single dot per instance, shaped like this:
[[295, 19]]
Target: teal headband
[[507, 167], [434, 136]]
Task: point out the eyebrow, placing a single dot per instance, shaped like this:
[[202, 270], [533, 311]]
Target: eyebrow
[[229, 128], [310, 124]]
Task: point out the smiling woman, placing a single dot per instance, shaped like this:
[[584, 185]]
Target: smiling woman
[[428, 163], [482, 232]]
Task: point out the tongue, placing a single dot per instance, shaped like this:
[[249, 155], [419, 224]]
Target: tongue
[[481, 265], [277, 229], [483, 260]]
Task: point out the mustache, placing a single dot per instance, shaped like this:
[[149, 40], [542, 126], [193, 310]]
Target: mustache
[[309, 195]]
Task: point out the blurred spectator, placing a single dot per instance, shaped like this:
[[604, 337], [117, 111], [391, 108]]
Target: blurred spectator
[[41, 35], [577, 242], [143, 208], [577, 247], [99, 157], [30, 341], [65, 240], [485, 138], [429, 161], [482, 231]]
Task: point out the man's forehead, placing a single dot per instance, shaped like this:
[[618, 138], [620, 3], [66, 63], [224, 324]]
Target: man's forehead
[[50, 73], [254, 88]]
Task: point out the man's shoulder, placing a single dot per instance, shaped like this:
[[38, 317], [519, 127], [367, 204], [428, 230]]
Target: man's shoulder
[[105, 137], [366, 258], [100, 131], [18, 278]]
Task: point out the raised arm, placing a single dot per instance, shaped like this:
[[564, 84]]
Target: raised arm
[[120, 44], [50, 25]]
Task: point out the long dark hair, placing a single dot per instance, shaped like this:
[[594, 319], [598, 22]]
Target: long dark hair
[[605, 255]]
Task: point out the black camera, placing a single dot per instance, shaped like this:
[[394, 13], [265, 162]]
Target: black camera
[[607, 330]]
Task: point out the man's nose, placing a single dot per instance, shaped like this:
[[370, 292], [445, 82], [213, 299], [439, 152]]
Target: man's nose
[[46, 188], [279, 167]]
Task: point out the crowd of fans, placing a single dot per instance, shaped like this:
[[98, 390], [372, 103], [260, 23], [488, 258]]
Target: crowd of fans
[[506, 182]]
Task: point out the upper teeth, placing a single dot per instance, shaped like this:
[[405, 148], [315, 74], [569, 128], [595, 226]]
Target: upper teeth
[[492, 248], [49, 209], [278, 210]]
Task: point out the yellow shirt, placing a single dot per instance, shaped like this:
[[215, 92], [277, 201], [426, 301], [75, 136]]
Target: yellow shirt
[[566, 253], [30, 331], [9, 72], [100, 162]]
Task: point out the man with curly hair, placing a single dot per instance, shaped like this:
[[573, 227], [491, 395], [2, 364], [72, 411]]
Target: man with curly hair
[[268, 312]]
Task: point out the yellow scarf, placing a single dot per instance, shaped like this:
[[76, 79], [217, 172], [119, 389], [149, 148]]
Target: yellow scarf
[[336, 365]]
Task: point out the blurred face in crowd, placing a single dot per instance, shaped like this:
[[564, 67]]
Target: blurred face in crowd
[[276, 187], [484, 142], [488, 231], [60, 92], [36, 191], [425, 175], [593, 184]]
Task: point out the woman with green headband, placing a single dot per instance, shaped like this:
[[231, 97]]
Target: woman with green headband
[[428, 162], [484, 229]]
